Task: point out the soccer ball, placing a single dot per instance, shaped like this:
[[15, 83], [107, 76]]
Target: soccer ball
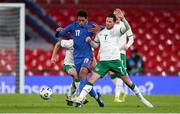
[[46, 93]]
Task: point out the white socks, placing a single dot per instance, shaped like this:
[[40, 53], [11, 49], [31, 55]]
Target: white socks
[[77, 85], [86, 89], [118, 86], [137, 93], [73, 89], [142, 99]]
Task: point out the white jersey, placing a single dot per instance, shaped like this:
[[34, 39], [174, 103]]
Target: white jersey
[[69, 59], [109, 43], [123, 39]]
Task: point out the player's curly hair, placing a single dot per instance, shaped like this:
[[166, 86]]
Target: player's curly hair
[[82, 13]]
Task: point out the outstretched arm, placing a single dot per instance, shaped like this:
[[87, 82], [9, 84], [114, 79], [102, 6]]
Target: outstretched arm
[[93, 44], [60, 32], [120, 16], [67, 44], [55, 51]]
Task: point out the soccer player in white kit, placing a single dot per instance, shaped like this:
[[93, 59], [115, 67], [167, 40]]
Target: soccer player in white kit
[[110, 58], [120, 93], [69, 66]]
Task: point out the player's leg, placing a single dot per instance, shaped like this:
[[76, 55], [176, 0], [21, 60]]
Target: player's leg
[[123, 94], [74, 85], [85, 69], [118, 68], [118, 86], [86, 90], [130, 84], [134, 88], [119, 90], [100, 70], [76, 80], [84, 72]]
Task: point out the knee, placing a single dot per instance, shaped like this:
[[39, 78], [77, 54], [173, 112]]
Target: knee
[[94, 78], [73, 73], [84, 72], [111, 73]]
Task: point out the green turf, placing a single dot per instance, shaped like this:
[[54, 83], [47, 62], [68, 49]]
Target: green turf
[[33, 103]]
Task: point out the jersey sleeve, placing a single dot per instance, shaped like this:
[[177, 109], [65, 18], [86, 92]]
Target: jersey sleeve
[[122, 28], [126, 26], [129, 33], [65, 31], [97, 38], [130, 36], [93, 24], [90, 26]]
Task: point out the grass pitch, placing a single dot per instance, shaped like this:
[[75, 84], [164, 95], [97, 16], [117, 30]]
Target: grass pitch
[[31, 103]]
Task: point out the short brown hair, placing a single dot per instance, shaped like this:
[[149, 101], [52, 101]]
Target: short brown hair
[[111, 15]]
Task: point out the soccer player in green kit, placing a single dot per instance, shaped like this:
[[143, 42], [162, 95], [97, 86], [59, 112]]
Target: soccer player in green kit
[[120, 93]]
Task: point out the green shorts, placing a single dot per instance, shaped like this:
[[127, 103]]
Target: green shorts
[[124, 65], [115, 66], [123, 60], [68, 68]]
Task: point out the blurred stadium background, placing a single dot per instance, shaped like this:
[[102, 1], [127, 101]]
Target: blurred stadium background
[[155, 23]]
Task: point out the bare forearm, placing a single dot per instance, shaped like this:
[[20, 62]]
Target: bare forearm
[[56, 48], [94, 44]]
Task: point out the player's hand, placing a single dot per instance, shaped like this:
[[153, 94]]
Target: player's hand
[[117, 17], [126, 47], [119, 13], [53, 60], [88, 39], [59, 29], [96, 28]]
